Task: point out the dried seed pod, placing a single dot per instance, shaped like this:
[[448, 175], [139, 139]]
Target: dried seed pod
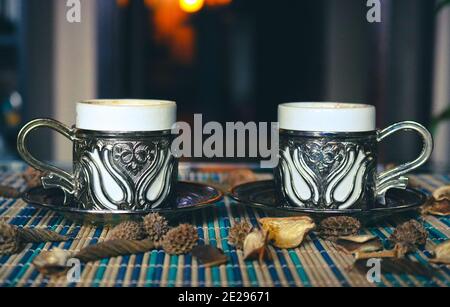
[[441, 253], [156, 227], [237, 234], [128, 230], [36, 235], [287, 232], [10, 242], [114, 248], [255, 246], [339, 226], [180, 240], [408, 236]]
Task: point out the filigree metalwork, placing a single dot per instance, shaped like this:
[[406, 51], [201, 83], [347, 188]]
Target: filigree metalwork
[[327, 172]]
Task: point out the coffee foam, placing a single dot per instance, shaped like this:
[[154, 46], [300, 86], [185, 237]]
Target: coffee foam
[[327, 117], [128, 115]]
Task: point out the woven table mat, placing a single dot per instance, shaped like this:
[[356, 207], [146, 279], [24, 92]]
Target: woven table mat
[[315, 263]]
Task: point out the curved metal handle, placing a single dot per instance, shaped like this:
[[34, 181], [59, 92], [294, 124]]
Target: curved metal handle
[[393, 178], [57, 177]]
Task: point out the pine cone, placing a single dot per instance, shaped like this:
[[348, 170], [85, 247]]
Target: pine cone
[[180, 240], [339, 226], [128, 230], [10, 242], [408, 236], [156, 227], [238, 233], [33, 177]]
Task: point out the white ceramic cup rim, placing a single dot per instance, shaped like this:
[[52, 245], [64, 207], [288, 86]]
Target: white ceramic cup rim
[[125, 115], [327, 117]]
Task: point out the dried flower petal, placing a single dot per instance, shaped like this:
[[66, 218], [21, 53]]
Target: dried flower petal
[[209, 255], [52, 262], [439, 208], [360, 244], [255, 246], [287, 232], [358, 239], [442, 193], [442, 253]]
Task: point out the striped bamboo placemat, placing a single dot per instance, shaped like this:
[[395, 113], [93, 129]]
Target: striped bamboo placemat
[[315, 263]]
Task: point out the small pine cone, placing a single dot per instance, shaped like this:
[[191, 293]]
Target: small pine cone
[[156, 227], [238, 233], [10, 242], [33, 177], [180, 240], [128, 230], [339, 226], [409, 235]]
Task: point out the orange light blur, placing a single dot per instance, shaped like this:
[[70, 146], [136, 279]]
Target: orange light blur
[[191, 6]]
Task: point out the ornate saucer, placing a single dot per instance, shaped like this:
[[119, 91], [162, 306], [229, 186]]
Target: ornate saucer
[[261, 195], [189, 197]]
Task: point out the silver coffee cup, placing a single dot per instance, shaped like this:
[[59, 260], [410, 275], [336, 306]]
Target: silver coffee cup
[[329, 154], [122, 156]]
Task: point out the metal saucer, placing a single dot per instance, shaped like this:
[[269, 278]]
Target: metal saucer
[[261, 195], [189, 197]]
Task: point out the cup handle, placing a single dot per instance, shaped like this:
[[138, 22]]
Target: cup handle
[[56, 178], [394, 178]]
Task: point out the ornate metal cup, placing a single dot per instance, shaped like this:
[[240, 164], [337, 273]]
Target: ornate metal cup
[[337, 169], [124, 164]]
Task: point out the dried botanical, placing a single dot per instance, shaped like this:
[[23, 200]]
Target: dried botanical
[[128, 230], [156, 227], [52, 262], [180, 240], [10, 242], [393, 253], [13, 238], [442, 193], [338, 226], [408, 236], [435, 207], [237, 234], [359, 244], [114, 248], [255, 246], [441, 253], [209, 255], [287, 232]]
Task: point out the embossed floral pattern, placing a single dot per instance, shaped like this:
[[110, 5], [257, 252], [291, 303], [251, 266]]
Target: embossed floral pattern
[[323, 156], [133, 156]]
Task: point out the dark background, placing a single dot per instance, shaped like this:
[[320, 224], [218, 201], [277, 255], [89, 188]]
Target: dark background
[[237, 60]]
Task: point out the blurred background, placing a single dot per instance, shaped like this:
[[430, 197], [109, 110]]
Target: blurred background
[[231, 60]]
